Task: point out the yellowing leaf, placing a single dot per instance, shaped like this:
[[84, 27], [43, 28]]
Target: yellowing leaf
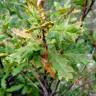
[[21, 33], [3, 54], [76, 11]]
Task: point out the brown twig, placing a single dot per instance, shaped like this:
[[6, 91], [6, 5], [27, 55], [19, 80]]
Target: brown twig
[[86, 10], [39, 79], [90, 7]]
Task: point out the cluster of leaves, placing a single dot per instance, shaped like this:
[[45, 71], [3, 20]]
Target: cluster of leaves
[[27, 67]]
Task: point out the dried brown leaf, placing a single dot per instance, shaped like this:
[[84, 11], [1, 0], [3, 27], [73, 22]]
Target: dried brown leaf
[[21, 33]]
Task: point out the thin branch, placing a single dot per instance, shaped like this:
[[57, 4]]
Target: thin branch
[[37, 76], [1, 64], [86, 10], [57, 85], [85, 84], [90, 7], [68, 89], [55, 90], [85, 13], [43, 87]]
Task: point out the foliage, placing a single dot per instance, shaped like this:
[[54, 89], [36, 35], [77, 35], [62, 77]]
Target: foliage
[[44, 51]]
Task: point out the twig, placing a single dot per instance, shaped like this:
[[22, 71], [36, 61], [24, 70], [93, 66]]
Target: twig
[[55, 90], [90, 7], [68, 89], [57, 85], [1, 64], [85, 84], [37, 76], [86, 10], [85, 13], [43, 87]]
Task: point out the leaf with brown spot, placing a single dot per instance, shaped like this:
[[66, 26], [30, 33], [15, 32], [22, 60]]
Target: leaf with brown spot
[[48, 67]]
